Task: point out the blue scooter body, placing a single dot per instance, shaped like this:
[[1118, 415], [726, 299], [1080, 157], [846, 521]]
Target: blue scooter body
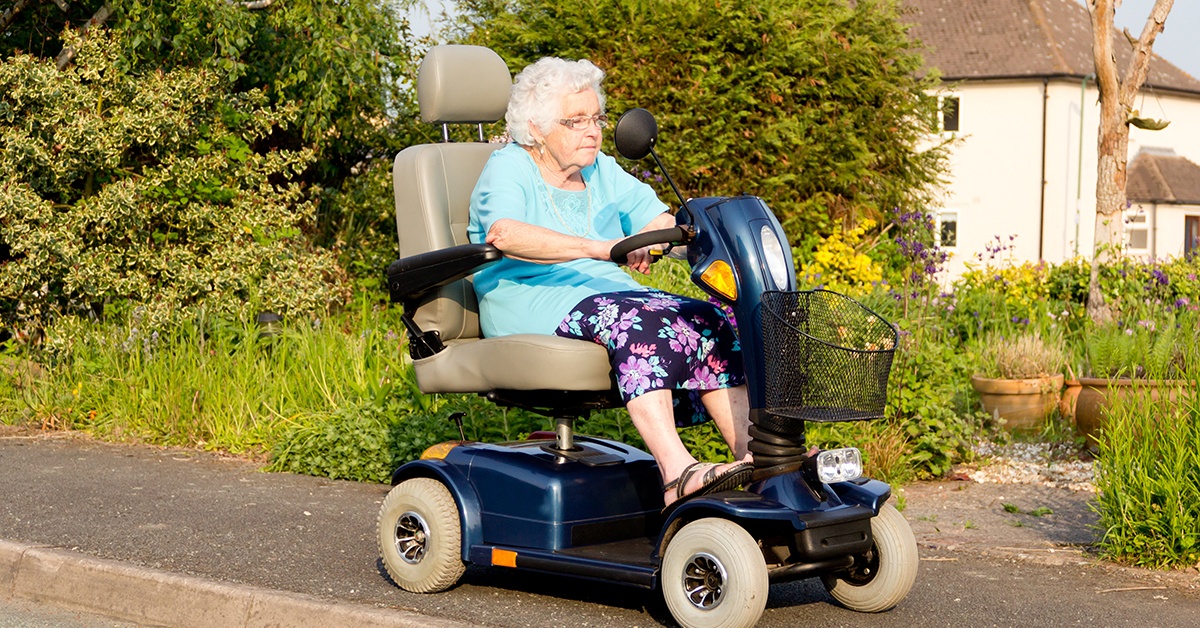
[[524, 506]]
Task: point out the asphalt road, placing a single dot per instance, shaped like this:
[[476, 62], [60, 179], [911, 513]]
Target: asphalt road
[[213, 518]]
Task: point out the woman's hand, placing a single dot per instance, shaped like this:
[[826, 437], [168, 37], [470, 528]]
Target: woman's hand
[[640, 259]]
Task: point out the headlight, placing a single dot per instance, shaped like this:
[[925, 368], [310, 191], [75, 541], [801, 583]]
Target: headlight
[[839, 465], [776, 261]]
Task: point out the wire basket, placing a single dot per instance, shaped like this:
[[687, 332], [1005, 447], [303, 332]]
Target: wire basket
[[827, 357]]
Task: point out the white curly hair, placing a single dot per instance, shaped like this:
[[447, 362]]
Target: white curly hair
[[538, 91]]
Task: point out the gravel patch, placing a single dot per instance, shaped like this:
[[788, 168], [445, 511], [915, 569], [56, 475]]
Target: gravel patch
[[1052, 465]]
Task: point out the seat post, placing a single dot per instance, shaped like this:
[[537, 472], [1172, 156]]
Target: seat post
[[564, 439]]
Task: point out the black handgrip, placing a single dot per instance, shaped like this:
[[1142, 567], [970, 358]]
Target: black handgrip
[[621, 250]]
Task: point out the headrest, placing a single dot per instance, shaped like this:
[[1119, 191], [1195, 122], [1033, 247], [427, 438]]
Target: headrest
[[462, 84]]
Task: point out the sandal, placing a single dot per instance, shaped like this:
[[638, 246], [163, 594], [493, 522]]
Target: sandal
[[714, 482]]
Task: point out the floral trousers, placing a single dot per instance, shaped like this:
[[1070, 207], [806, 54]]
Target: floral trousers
[[661, 341]]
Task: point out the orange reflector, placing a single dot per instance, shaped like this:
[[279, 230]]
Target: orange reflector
[[719, 277], [504, 558], [438, 451]]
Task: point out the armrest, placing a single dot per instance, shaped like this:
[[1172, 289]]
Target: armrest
[[415, 276]]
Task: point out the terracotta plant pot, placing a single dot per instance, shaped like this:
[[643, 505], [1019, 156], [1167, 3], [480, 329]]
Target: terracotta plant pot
[[1070, 396], [1097, 394], [1024, 404]]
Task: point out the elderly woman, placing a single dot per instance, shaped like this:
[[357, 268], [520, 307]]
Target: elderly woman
[[556, 205]]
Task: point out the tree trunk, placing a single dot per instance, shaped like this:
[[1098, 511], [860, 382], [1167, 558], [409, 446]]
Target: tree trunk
[[1117, 95]]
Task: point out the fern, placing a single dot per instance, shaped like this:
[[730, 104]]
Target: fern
[[1109, 353], [1161, 354]]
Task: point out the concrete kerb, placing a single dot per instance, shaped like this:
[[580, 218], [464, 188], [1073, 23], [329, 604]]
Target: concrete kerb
[[156, 598]]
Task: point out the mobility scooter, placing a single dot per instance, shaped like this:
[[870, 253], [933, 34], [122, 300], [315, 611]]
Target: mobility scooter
[[592, 508]]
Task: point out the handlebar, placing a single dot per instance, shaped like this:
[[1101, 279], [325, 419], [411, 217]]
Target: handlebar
[[621, 250]]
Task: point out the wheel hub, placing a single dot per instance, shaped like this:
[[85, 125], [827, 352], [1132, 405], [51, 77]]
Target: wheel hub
[[704, 580], [412, 534], [864, 569]]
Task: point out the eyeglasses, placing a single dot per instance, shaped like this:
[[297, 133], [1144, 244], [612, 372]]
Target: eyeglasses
[[580, 123]]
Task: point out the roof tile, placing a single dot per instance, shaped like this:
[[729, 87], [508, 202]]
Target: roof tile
[[989, 39]]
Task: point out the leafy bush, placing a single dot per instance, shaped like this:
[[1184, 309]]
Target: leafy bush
[[147, 192], [1148, 476], [928, 398], [816, 106], [839, 263]]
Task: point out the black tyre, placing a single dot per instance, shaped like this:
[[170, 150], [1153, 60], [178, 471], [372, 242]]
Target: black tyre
[[714, 575], [420, 537], [884, 576]]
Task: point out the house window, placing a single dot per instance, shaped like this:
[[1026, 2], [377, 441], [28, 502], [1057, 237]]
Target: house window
[[1191, 236], [947, 229], [950, 114], [1137, 231]]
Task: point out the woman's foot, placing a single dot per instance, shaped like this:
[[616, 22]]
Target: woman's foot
[[702, 478]]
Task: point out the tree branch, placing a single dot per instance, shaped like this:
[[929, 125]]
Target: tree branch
[[252, 5], [1139, 64], [10, 14], [68, 54]]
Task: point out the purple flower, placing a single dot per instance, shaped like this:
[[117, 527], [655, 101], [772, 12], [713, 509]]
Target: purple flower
[[702, 379], [685, 338], [635, 375]]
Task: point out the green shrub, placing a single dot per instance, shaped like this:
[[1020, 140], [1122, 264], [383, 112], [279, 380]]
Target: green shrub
[[929, 398], [1148, 477], [817, 106], [146, 192], [353, 442]]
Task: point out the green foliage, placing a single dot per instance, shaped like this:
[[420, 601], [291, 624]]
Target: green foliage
[[141, 191], [37, 28], [928, 398], [346, 67], [812, 105], [213, 383], [343, 63], [1148, 476], [342, 70], [351, 443], [1138, 351]]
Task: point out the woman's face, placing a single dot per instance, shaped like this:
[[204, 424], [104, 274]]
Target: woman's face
[[572, 150]]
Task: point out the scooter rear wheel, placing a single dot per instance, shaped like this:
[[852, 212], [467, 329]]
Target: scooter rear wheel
[[714, 575], [883, 577], [420, 538]]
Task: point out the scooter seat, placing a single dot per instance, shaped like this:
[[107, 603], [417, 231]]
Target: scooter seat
[[517, 362]]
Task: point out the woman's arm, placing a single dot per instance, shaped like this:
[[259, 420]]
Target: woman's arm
[[530, 243]]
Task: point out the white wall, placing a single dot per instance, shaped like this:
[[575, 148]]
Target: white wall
[[996, 168], [1166, 228]]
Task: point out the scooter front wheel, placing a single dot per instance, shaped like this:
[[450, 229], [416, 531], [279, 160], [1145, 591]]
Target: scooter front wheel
[[420, 538], [713, 574], [882, 577]]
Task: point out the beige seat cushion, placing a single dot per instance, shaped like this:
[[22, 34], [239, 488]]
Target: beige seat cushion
[[517, 362]]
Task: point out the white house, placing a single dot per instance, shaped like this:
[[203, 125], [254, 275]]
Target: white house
[[1021, 97]]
